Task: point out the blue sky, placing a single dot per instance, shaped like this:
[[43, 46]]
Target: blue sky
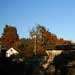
[[56, 15]]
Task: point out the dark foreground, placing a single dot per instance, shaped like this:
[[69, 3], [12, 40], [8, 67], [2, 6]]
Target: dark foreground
[[30, 67], [33, 66]]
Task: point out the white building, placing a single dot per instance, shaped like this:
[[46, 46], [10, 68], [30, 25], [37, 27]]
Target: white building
[[10, 52], [51, 54]]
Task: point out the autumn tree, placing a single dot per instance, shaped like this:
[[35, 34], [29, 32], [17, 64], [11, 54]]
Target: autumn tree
[[9, 36], [61, 41], [38, 30], [36, 36], [24, 46], [28, 46], [49, 39], [43, 38], [67, 42]]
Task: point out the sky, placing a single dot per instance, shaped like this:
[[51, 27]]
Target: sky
[[58, 16]]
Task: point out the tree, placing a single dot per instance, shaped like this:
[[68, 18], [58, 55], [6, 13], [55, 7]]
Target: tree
[[37, 31], [9, 36], [61, 41], [37, 35], [49, 39], [44, 38], [24, 46]]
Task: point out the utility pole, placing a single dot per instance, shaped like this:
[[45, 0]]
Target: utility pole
[[0, 46], [35, 40]]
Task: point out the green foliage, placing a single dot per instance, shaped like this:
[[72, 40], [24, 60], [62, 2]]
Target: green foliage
[[21, 54]]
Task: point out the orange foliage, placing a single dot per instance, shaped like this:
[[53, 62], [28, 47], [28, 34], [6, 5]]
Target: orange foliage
[[9, 37]]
